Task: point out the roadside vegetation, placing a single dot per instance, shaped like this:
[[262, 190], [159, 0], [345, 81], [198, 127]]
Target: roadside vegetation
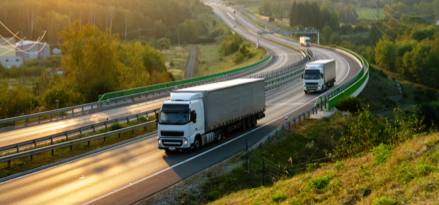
[[38, 160]]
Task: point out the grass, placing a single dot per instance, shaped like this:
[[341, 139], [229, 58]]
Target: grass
[[24, 164], [409, 175], [369, 13], [176, 59], [28, 81], [212, 61], [253, 9]]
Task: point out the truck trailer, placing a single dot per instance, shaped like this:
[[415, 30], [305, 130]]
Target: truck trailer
[[196, 116], [319, 76], [305, 41]]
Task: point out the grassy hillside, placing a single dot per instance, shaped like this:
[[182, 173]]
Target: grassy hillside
[[406, 174]]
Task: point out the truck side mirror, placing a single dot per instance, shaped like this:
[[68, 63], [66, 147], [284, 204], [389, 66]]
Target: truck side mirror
[[193, 116], [157, 117], [302, 76]]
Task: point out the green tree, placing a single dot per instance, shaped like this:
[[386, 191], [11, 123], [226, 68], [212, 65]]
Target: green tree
[[385, 53], [90, 60]]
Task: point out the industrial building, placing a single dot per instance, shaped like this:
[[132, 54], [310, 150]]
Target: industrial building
[[32, 49], [8, 57]]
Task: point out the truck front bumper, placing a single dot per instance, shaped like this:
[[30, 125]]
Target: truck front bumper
[[174, 143], [311, 90]]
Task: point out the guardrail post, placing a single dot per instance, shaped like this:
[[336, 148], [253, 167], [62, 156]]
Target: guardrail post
[[67, 136], [92, 106], [35, 143], [82, 109], [51, 139], [50, 117], [128, 120], [294, 122], [137, 117], [106, 122], [299, 118], [18, 148], [71, 148], [39, 118], [53, 151], [31, 157], [309, 113], [89, 143], [80, 131], [9, 163], [94, 128]]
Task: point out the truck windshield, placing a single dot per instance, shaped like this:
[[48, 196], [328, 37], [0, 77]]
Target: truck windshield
[[174, 117], [308, 41], [312, 74]]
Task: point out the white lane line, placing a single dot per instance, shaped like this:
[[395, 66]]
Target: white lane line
[[194, 157], [230, 16], [349, 69], [91, 155]]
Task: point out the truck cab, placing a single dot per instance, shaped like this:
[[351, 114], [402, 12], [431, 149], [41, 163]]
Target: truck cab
[[181, 121], [313, 79]]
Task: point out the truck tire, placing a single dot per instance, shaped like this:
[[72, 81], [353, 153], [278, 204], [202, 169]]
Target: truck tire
[[197, 143], [254, 121], [249, 122], [244, 124], [219, 135]]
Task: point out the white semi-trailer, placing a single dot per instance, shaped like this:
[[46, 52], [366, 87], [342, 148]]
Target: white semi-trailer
[[305, 41], [198, 115], [319, 76]]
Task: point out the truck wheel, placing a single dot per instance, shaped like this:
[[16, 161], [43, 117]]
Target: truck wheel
[[244, 124], [254, 121], [249, 122], [219, 135], [197, 143]]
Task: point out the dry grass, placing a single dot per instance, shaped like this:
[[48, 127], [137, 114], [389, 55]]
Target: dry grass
[[409, 176], [176, 59]]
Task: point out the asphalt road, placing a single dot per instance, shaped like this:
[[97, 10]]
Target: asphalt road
[[131, 172], [190, 66], [282, 57]]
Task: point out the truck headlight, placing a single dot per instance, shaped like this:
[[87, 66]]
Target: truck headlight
[[318, 88], [160, 140], [185, 141]]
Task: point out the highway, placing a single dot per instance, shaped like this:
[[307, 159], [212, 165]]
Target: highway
[[282, 57], [128, 173]]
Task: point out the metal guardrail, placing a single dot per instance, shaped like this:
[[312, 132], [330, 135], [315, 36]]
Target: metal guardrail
[[286, 125], [115, 94], [63, 113], [70, 133], [339, 92], [71, 143]]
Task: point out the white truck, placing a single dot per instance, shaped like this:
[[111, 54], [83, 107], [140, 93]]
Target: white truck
[[198, 115], [319, 76], [305, 41]]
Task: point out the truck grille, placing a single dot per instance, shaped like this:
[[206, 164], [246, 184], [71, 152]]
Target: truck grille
[[312, 86], [312, 83], [172, 142], [172, 133]]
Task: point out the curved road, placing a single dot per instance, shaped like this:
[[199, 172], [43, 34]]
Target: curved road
[[282, 57], [189, 71], [128, 173]]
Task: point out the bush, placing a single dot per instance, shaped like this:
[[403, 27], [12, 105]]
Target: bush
[[384, 200], [430, 112], [116, 126], [238, 58], [425, 169], [231, 44], [279, 198], [318, 183], [381, 154], [270, 19], [339, 165], [350, 104], [217, 32]]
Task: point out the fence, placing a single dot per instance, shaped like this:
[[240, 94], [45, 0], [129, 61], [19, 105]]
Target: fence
[[80, 131], [33, 152]]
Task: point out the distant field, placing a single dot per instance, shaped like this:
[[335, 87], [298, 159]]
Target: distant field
[[254, 9], [369, 13], [212, 61], [178, 56]]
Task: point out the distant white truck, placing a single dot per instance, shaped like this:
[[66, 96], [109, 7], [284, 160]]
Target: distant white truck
[[305, 41], [319, 75], [198, 115]]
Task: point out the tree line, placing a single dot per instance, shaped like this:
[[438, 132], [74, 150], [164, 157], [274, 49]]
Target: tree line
[[94, 62], [134, 19]]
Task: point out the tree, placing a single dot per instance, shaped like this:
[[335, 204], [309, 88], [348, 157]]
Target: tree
[[385, 53], [90, 59], [164, 43]]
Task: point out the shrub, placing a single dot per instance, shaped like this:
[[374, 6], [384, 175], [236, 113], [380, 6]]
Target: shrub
[[425, 169], [339, 165], [381, 154], [384, 200], [231, 44], [217, 32], [116, 126], [350, 104], [238, 58], [318, 183], [279, 198], [270, 19]]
